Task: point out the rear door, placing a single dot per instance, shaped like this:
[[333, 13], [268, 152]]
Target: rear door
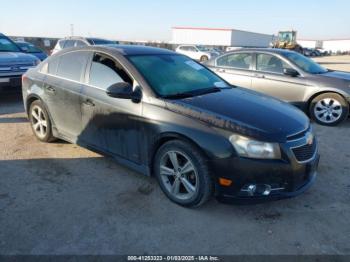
[[236, 68], [62, 89], [110, 124], [270, 79]]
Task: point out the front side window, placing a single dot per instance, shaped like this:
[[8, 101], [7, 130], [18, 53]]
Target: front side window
[[170, 75], [30, 48], [270, 63], [305, 63], [239, 60], [71, 65], [105, 72], [80, 43], [7, 45]]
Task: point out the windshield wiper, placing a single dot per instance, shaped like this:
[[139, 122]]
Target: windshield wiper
[[194, 93]]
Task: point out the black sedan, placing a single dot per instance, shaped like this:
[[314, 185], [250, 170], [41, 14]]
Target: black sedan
[[166, 115]]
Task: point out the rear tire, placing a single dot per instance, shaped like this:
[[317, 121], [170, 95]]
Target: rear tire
[[40, 122], [183, 174], [329, 109]]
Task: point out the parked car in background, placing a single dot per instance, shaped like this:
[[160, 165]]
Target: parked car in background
[[163, 114], [75, 41], [13, 63], [196, 52], [310, 52], [29, 48], [324, 94]]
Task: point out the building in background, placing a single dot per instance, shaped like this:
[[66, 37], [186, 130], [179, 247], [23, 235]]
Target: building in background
[[333, 45], [219, 37]]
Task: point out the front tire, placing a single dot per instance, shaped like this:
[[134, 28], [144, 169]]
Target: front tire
[[40, 122], [329, 109], [183, 174]]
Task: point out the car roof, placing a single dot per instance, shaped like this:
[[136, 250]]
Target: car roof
[[270, 50], [125, 50]]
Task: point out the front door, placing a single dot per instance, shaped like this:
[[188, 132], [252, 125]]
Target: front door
[[110, 124], [270, 79]]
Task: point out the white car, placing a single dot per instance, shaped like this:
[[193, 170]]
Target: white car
[[196, 52]]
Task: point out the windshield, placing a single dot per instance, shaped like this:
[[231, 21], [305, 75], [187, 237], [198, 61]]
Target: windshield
[[7, 45], [305, 63], [202, 48], [170, 75], [30, 47]]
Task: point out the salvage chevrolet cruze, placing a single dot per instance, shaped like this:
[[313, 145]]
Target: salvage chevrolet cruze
[[163, 114]]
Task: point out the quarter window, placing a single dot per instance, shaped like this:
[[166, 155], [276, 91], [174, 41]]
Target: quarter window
[[239, 60], [270, 63], [105, 72], [72, 65]]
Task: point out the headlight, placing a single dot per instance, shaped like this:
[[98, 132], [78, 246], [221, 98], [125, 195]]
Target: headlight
[[248, 147]]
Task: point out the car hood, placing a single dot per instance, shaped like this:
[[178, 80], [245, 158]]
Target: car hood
[[244, 112], [15, 58], [337, 74]]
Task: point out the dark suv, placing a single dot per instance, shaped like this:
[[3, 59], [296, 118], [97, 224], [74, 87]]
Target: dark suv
[[13, 63], [163, 114]]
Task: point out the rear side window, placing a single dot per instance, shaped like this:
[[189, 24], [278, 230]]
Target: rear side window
[[69, 43], [270, 63], [52, 66], [72, 65], [61, 44], [238, 60], [105, 72]]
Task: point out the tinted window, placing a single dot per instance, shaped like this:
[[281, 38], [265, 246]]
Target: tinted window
[[270, 63], [61, 43], [71, 65], [238, 60], [192, 49], [105, 71], [184, 48], [69, 43], [175, 74], [7, 45]]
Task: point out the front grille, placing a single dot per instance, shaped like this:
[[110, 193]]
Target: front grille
[[305, 152]]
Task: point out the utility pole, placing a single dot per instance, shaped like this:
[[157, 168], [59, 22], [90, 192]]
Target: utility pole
[[72, 29]]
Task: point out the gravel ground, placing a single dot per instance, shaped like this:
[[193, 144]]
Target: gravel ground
[[61, 199]]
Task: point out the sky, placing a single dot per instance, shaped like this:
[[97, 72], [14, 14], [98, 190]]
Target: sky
[[153, 19]]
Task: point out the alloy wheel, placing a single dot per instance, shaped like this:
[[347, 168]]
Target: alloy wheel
[[328, 110], [179, 175], [39, 122]]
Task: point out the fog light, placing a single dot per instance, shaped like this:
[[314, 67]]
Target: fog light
[[267, 190], [251, 189]]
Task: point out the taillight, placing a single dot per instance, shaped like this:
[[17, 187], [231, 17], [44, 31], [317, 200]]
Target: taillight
[[24, 78]]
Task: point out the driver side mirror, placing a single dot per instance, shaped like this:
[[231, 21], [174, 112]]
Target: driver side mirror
[[290, 72], [124, 90]]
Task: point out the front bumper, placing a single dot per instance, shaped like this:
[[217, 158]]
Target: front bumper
[[280, 179]]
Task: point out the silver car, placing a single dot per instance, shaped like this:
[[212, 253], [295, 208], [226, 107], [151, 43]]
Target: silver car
[[322, 93]]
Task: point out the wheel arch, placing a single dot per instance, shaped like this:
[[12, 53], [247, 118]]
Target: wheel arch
[[324, 92], [29, 100], [166, 137]]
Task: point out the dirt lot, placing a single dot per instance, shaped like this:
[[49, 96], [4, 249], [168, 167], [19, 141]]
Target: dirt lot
[[335, 62], [61, 199]]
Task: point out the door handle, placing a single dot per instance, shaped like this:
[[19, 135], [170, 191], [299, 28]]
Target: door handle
[[89, 102], [259, 75], [50, 88]]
